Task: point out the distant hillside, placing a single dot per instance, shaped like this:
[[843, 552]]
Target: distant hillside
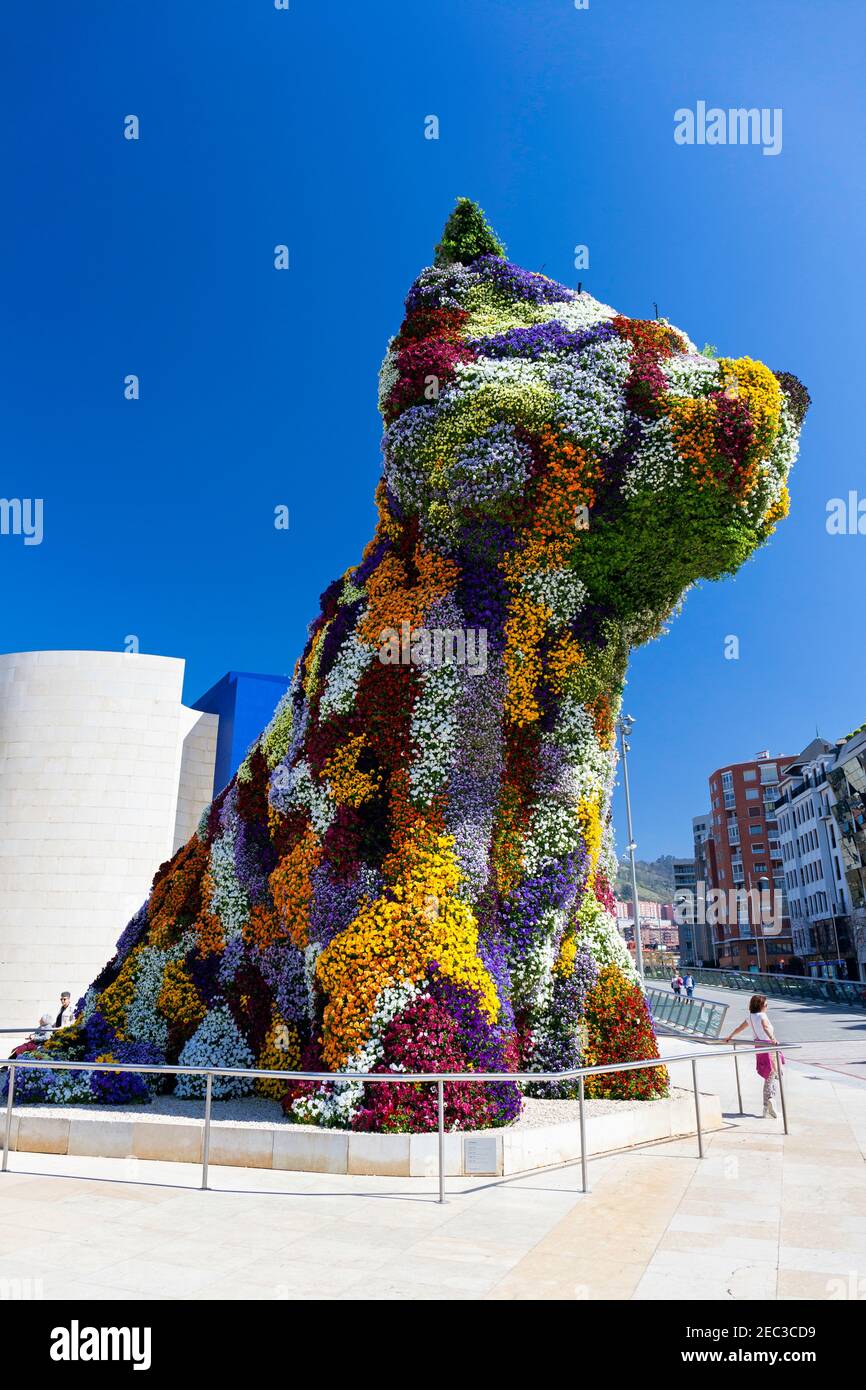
[[655, 879]]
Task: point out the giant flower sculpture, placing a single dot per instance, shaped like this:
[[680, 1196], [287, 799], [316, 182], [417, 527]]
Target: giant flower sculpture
[[412, 868]]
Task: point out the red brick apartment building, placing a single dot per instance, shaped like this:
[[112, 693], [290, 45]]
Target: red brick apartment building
[[747, 855]]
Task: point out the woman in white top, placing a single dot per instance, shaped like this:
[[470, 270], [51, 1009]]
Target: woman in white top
[[767, 1063]]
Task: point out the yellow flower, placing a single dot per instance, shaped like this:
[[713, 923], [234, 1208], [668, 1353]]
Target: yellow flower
[[281, 1051], [396, 939], [564, 963], [179, 1000], [589, 819], [114, 1001], [349, 785]]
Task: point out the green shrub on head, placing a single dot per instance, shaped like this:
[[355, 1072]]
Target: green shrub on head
[[467, 236]]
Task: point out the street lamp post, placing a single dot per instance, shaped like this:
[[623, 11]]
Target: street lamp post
[[759, 925], [625, 724]]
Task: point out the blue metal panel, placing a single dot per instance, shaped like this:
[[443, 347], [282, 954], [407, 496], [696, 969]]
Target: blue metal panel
[[244, 702]]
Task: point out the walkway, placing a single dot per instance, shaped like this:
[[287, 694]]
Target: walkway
[[761, 1217]]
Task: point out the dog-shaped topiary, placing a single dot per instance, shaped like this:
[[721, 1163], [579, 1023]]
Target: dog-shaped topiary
[[413, 867]]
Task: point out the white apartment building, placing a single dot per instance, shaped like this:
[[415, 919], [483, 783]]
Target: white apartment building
[[812, 863]]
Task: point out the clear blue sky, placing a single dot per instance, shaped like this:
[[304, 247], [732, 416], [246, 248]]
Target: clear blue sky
[[258, 388]]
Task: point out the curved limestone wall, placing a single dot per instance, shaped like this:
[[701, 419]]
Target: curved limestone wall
[[103, 773]]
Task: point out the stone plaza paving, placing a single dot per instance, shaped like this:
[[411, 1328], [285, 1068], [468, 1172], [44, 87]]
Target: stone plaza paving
[[762, 1216]]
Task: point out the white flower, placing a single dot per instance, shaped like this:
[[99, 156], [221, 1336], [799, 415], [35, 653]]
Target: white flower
[[215, 1043], [500, 371], [590, 387], [298, 790], [388, 375], [311, 954], [341, 683], [70, 1088], [229, 900], [532, 970], [434, 731], [690, 375], [597, 932], [559, 590], [657, 465], [773, 470], [577, 314], [143, 1022]]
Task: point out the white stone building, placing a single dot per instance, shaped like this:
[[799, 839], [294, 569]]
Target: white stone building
[[104, 772], [812, 863]]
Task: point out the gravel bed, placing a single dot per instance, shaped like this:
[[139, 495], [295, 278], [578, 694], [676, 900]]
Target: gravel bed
[[257, 1112]]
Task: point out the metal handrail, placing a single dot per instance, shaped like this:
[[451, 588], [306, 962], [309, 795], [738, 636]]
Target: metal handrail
[[685, 1011], [48, 1028], [434, 1078], [824, 988]]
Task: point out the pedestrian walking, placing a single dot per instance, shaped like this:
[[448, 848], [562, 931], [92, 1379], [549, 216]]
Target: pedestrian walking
[[767, 1064], [689, 986]]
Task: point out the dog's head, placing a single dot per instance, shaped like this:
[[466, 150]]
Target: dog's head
[[625, 463]]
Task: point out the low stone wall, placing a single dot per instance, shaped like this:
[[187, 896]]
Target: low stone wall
[[298, 1148]]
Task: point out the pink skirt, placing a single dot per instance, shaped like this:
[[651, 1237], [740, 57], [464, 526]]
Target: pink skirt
[[764, 1063]]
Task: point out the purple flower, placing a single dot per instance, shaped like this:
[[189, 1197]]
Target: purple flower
[[441, 287], [119, 1087], [231, 960], [204, 972], [255, 858], [555, 887], [282, 968], [335, 900], [486, 1045], [132, 934], [520, 284], [493, 466], [475, 779], [482, 591], [554, 1033], [540, 339]]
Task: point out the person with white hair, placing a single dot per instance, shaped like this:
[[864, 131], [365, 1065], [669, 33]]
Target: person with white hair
[[36, 1038]]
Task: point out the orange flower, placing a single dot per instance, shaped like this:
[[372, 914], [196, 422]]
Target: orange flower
[[210, 938], [262, 928], [292, 888], [394, 599]]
